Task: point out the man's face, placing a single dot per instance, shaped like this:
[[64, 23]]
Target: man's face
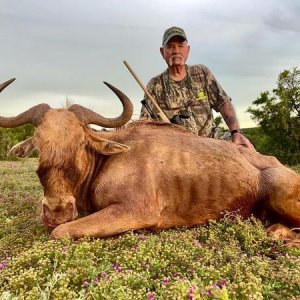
[[175, 52]]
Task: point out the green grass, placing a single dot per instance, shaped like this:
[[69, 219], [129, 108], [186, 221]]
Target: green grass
[[230, 259]]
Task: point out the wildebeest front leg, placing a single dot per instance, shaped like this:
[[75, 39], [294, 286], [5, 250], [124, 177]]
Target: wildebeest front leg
[[109, 221]]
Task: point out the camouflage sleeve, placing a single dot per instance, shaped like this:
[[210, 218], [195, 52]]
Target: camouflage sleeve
[[217, 96], [144, 112]]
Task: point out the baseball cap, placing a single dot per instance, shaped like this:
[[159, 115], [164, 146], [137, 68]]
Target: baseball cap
[[171, 32]]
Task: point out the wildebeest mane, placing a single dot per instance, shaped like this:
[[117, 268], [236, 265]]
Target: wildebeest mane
[[51, 155]]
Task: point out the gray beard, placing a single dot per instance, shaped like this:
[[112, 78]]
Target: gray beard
[[171, 61]]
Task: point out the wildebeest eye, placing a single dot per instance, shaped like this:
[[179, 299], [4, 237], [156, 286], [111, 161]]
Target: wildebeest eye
[[43, 174], [72, 174]]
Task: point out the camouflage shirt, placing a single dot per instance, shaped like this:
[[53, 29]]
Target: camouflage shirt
[[196, 95]]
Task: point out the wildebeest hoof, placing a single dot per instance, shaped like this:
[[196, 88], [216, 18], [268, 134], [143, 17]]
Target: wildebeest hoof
[[59, 233], [281, 232]]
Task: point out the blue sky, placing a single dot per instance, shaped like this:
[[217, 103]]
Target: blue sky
[[67, 48]]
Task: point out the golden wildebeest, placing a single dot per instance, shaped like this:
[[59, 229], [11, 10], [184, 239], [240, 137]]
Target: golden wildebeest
[[149, 175]]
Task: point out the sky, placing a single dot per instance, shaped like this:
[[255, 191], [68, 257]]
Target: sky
[[65, 49]]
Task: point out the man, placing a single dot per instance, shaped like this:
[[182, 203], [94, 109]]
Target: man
[[187, 94]]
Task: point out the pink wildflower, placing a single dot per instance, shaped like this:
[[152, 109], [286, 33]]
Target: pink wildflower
[[117, 267], [3, 264], [85, 284], [150, 296]]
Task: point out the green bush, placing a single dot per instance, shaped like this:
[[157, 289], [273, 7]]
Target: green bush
[[278, 115]]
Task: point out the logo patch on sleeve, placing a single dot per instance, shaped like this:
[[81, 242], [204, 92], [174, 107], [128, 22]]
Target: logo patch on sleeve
[[201, 96]]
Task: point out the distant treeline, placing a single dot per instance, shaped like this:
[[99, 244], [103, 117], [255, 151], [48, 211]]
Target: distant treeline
[[12, 136]]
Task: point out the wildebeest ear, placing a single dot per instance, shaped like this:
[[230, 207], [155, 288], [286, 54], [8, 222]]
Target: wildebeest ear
[[106, 147], [23, 149]]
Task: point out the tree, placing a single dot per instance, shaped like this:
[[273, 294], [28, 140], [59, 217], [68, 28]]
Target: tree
[[278, 114]]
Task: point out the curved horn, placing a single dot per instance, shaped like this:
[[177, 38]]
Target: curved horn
[[33, 115], [6, 83], [89, 117]]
